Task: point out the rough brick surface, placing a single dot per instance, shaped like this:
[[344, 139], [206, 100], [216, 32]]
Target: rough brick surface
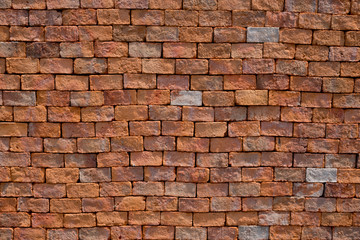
[[179, 119]]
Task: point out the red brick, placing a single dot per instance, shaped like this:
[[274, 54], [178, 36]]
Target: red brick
[[268, 5], [218, 98], [259, 143], [323, 145], [127, 174], [314, 21], [229, 34], [164, 112], [79, 17], [62, 175], [112, 16], [97, 114], [147, 17], [178, 82], [22, 65], [336, 219], [257, 174], [308, 160], [334, 7], [110, 49], [192, 174], [95, 175], [240, 218], [129, 203], [159, 174], [61, 34], [195, 34], [137, 4], [29, 233], [130, 232], [160, 143], [239, 82], [248, 128], [230, 113], [326, 69], [176, 218], [297, 36], [199, 82], [209, 219], [285, 232], [153, 97], [341, 190], [65, 205], [309, 130], [165, 4], [226, 66], [257, 204], [111, 129], [189, 144], [13, 219], [129, 33], [291, 67], [193, 204], [279, 50], [27, 174], [26, 34], [127, 143], [281, 19], [312, 53], [258, 66], [246, 50], [181, 18], [77, 190], [288, 204], [244, 159], [308, 189], [231, 174], [97, 204], [106, 82], [191, 66], [328, 115], [9, 82], [179, 159], [152, 158], [276, 129], [276, 189], [33, 205], [162, 34], [158, 232], [112, 159], [92, 33], [328, 37], [80, 160], [43, 18], [274, 218], [56, 114], [49, 190], [144, 218], [226, 144], [79, 220]]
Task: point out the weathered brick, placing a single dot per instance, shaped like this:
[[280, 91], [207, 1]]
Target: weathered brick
[[314, 20], [111, 16], [194, 34], [262, 34]]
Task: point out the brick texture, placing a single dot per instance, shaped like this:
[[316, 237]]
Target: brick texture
[[179, 119]]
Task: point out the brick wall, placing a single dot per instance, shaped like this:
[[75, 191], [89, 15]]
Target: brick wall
[[186, 119]]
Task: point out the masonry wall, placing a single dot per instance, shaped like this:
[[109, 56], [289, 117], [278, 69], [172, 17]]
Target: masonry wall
[[186, 119]]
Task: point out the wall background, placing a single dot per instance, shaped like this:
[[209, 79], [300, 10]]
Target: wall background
[[187, 119]]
